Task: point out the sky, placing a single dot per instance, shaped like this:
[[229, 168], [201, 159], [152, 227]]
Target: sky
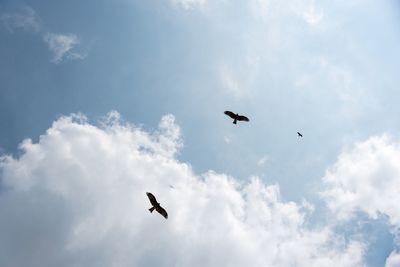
[[102, 101]]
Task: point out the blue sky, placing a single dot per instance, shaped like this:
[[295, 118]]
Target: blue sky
[[326, 69]]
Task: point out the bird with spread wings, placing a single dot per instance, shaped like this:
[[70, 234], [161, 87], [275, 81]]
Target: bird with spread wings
[[156, 205], [236, 117]]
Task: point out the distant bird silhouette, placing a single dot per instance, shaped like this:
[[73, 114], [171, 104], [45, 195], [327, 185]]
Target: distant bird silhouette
[[156, 205], [299, 134], [236, 117]]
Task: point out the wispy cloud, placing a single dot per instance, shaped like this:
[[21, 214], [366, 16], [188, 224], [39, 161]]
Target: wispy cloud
[[307, 10], [227, 139], [237, 79], [312, 15], [60, 45], [26, 20], [189, 4], [229, 81], [262, 160]]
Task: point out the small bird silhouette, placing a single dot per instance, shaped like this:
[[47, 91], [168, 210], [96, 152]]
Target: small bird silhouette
[[156, 205], [236, 117], [299, 134]]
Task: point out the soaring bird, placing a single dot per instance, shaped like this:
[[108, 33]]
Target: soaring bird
[[236, 117], [156, 205], [299, 134]]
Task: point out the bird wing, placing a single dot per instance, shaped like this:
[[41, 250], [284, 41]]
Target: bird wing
[[299, 134], [152, 199], [162, 211], [230, 114], [242, 118]]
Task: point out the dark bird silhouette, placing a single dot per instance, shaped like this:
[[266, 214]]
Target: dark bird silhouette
[[156, 205], [236, 117], [299, 134]]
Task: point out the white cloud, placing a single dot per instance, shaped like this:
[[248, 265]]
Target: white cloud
[[26, 20], [366, 178], [393, 260], [313, 16], [77, 198], [265, 37], [189, 4], [262, 160], [61, 45], [306, 10]]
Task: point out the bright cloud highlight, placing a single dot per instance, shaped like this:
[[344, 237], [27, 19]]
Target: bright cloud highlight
[[77, 198], [366, 178]]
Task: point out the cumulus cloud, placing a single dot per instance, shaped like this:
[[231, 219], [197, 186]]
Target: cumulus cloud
[[77, 198], [366, 178], [393, 260], [61, 45]]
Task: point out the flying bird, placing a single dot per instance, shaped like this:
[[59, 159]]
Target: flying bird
[[299, 134], [156, 205], [236, 117]]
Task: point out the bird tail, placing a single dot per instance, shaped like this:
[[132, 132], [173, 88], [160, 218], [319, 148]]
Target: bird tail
[[151, 209], [234, 121]]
